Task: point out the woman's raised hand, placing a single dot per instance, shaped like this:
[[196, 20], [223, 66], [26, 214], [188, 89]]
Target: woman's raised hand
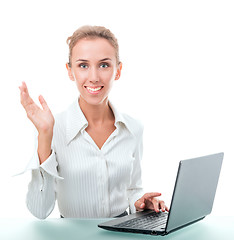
[[41, 118]]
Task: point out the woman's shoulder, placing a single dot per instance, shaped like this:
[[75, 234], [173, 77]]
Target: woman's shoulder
[[69, 120], [60, 123], [61, 117], [135, 125]]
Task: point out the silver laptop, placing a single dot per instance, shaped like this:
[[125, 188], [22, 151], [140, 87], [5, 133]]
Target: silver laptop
[[192, 200]]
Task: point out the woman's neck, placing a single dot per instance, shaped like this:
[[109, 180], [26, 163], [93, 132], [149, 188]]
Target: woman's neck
[[96, 115]]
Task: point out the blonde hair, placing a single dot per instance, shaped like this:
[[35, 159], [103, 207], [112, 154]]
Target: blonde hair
[[92, 32]]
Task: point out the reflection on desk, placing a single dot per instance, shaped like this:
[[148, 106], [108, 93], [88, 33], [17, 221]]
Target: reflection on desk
[[212, 227]]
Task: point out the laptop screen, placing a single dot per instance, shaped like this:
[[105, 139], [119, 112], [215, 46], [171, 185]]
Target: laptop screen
[[194, 190]]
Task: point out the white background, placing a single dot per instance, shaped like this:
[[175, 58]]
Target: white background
[[177, 78]]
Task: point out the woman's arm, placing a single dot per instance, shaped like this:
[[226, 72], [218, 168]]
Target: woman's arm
[[44, 146], [135, 189], [42, 119], [41, 194]]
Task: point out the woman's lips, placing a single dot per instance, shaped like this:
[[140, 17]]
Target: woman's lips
[[94, 90]]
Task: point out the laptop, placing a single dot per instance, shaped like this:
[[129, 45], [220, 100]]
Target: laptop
[[192, 200]]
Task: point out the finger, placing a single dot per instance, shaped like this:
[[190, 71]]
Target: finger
[[139, 204], [162, 205], [25, 99], [156, 204], [167, 208], [152, 194], [142, 205], [43, 103], [25, 88]]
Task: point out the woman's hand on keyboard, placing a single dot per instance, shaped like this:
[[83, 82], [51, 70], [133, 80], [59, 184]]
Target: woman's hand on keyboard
[[150, 201]]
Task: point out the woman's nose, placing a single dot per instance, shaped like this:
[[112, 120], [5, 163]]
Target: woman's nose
[[93, 75]]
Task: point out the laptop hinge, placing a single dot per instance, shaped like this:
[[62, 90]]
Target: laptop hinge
[[185, 225]]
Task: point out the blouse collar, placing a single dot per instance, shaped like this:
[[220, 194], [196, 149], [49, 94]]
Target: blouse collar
[[76, 121]]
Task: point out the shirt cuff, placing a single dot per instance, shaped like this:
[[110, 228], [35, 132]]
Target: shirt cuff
[[49, 165], [134, 197]]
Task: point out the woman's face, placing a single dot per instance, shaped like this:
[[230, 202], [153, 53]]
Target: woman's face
[[94, 69]]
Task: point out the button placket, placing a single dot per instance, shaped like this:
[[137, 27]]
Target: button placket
[[42, 180], [104, 182]]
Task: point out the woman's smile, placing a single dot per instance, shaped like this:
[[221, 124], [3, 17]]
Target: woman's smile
[[94, 90]]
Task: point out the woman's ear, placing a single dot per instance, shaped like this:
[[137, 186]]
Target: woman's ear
[[69, 70], [118, 72]]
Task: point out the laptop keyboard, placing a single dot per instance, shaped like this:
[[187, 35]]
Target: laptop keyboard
[[148, 221]]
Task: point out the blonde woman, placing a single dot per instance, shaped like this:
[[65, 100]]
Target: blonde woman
[[88, 157]]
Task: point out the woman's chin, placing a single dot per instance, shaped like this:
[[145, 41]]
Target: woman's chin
[[93, 100]]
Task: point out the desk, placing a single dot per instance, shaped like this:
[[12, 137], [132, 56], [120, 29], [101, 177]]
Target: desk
[[212, 227]]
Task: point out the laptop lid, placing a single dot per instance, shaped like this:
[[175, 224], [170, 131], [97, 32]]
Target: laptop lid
[[194, 190]]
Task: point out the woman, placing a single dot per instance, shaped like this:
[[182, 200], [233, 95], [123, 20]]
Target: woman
[[88, 158]]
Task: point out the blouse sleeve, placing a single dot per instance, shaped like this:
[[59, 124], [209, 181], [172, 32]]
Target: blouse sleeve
[[41, 195], [135, 190]]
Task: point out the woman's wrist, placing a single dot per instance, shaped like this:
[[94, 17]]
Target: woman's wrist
[[44, 145], [46, 133]]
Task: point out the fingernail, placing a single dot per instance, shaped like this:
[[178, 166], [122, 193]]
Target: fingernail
[[142, 205]]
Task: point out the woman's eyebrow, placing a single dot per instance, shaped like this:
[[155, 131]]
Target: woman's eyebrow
[[81, 60], [84, 60], [105, 59]]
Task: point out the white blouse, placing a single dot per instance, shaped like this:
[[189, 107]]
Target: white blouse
[[86, 181]]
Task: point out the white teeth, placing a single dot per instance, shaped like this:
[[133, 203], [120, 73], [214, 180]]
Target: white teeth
[[93, 89]]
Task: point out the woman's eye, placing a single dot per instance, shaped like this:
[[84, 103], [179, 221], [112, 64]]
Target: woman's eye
[[83, 65], [104, 65]]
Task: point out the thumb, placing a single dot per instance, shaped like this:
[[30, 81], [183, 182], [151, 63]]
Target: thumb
[[140, 204], [43, 103]]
